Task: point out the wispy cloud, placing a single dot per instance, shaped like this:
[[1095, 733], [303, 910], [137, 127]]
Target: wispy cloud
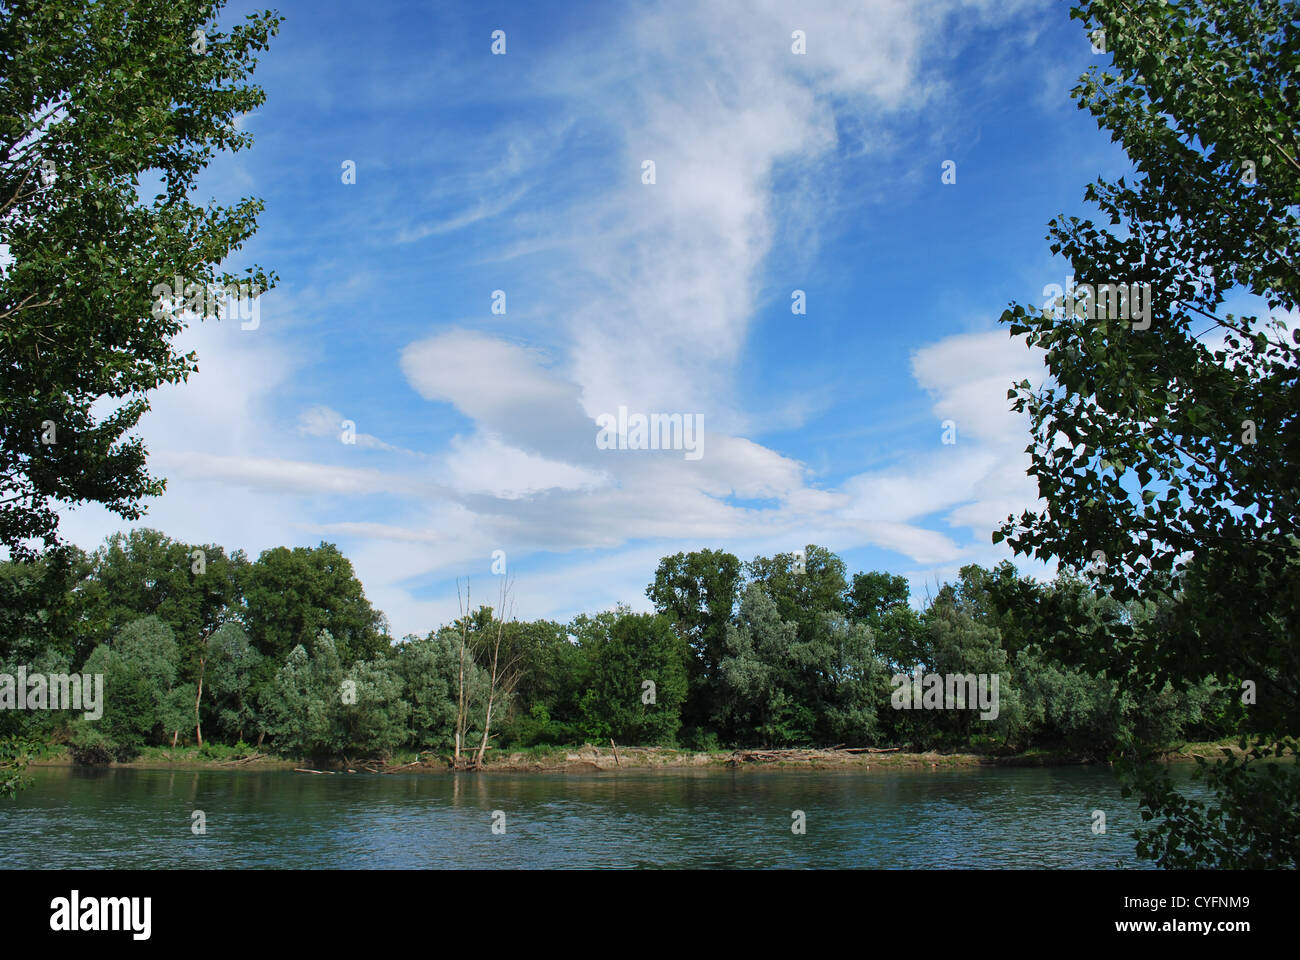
[[484, 210]]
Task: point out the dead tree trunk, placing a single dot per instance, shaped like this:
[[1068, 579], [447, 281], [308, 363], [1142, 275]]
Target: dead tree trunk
[[198, 724], [502, 680], [460, 686]]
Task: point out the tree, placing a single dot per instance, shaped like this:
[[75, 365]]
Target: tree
[[699, 592], [50, 604], [826, 674], [852, 682], [95, 96], [429, 668], [302, 704], [294, 595], [372, 714], [232, 663], [194, 589], [804, 596], [760, 669], [139, 668], [1169, 462], [177, 712], [550, 681], [34, 725], [882, 602], [502, 674], [319, 708], [638, 681], [464, 673], [955, 642]]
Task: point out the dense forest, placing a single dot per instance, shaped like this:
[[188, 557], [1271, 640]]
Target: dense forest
[[199, 645]]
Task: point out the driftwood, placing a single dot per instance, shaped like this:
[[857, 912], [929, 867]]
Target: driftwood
[[251, 756], [369, 766], [801, 754], [419, 761], [468, 762], [617, 761]]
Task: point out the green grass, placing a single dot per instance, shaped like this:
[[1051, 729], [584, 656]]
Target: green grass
[[196, 754], [539, 751]]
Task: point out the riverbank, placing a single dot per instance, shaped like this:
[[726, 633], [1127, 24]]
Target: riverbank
[[590, 758]]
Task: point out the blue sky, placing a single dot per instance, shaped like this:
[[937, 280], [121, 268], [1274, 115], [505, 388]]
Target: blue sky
[[522, 173]]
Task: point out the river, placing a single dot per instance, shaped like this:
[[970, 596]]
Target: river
[[973, 817]]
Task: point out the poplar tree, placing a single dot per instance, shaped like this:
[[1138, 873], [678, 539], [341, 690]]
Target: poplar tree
[[1166, 451], [97, 101]]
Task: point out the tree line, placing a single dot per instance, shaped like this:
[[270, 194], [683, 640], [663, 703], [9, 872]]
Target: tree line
[[197, 644]]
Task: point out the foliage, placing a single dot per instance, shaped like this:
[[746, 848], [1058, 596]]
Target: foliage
[[428, 668], [1252, 791], [1168, 460], [303, 704], [820, 676], [319, 708], [97, 95], [232, 663], [764, 656], [139, 668], [554, 673], [45, 606], [956, 642], [15, 753], [637, 648], [294, 595], [881, 601], [699, 591], [33, 724], [146, 573]]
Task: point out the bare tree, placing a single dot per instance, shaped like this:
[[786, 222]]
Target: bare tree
[[503, 677], [206, 647], [203, 669], [461, 710]]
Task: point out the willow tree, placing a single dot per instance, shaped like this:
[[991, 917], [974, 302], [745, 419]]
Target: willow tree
[[1165, 445]]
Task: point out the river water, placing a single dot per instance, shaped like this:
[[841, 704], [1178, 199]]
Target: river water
[[974, 817]]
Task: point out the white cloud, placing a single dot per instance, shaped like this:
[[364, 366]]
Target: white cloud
[[323, 421], [666, 279], [483, 464]]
